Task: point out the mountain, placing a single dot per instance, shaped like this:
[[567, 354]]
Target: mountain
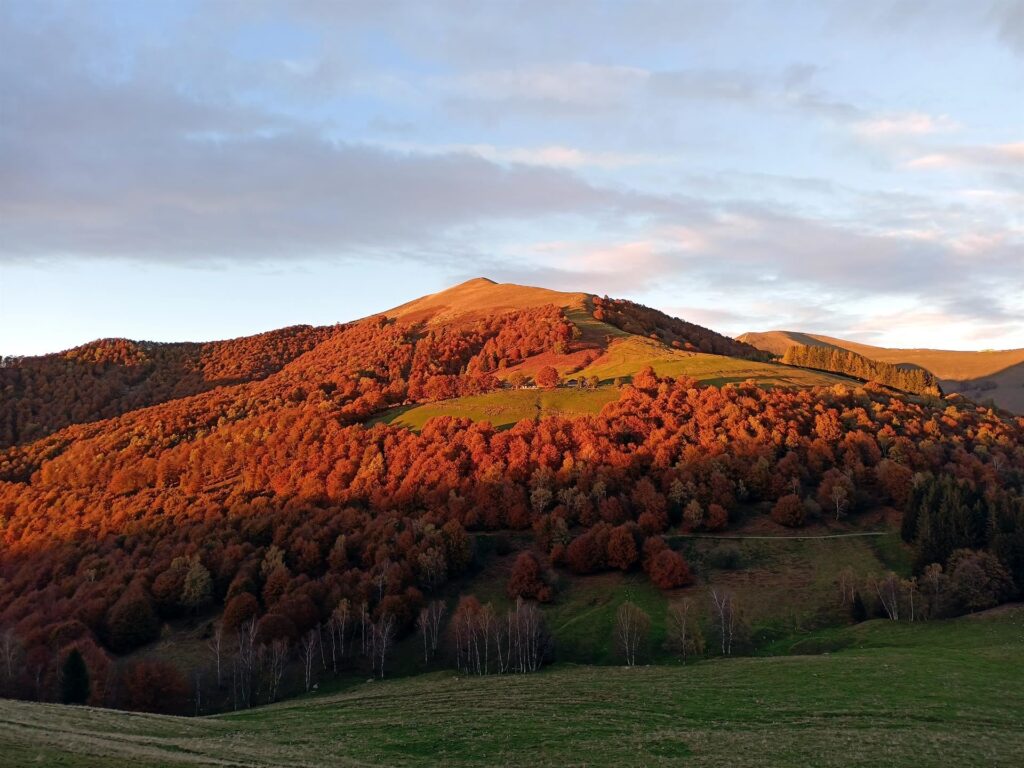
[[481, 297], [996, 375], [490, 464]]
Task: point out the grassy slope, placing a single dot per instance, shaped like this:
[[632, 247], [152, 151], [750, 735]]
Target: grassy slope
[[626, 356], [505, 408], [623, 358], [939, 694]]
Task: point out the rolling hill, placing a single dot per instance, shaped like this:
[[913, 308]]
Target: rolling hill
[[991, 374], [306, 495]]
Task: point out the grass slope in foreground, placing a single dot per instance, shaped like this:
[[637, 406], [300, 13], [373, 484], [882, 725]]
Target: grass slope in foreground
[[936, 694]]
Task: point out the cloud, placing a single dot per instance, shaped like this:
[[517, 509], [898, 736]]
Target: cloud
[[553, 155], [998, 156], [572, 88], [1009, 19], [282, 196], [909, 124], [706, 84], [133, 167]]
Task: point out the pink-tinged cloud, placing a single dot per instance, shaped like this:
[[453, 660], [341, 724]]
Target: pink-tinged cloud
[[996, 155]]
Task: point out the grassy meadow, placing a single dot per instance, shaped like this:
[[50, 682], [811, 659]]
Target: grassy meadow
[[623, 358], [926, 694]]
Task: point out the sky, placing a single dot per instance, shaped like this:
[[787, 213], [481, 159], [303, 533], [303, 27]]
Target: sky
[[202, 170]]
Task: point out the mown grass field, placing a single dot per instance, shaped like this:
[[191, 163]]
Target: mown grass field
[[935, 694]]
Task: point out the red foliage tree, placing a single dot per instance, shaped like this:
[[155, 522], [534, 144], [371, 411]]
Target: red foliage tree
[[526, 580], [547, 377], [154, 686], [668, 570], [789, 511]]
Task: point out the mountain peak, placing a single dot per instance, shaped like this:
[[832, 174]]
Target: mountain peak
[[482, 296]]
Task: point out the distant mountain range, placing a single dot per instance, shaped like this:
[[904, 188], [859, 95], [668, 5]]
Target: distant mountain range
[[991, 374]]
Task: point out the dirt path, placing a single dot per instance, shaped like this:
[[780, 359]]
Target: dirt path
[[776, 538]]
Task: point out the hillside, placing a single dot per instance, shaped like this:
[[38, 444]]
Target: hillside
[[921, 695], [992, 374], [486, 444], [109, 377]]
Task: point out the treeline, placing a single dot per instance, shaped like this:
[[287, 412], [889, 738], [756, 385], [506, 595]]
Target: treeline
[[644, 321], [837, 360]]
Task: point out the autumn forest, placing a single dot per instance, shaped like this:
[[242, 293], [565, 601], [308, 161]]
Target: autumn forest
[[249, 490]]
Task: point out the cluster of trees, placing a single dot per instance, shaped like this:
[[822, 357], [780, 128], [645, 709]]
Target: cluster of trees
[[838, 360], [971, 580], [486, 643], [644, 321], [685, 624], [946, 513]]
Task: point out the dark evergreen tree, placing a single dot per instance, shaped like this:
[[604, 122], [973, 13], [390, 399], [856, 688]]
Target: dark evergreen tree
[[857, 610], [74, 679]]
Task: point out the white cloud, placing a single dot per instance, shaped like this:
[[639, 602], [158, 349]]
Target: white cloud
[[997, 156], [900, 125], [579, 86], [552, 155]]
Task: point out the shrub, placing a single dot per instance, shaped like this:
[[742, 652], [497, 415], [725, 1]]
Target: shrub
[[239, 608], [526, 580], [154, 686], [132, 621], [669, 570], [789, 511]]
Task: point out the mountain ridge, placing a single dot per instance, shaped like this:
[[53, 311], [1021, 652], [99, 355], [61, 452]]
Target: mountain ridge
[[982, 375]]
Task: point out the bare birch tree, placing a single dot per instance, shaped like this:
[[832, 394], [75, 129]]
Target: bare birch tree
[[10, 653], [337, 630], [429, 625], [681, 633], [725, 612], [275, 661], [244, 666], [382, 637], [840, 499], [888, 590], [911, 589], [308, 648], [215, 644], [632, 625]]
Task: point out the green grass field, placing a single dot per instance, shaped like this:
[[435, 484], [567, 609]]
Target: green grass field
[[625, 357], [505, 407], [936, 694]]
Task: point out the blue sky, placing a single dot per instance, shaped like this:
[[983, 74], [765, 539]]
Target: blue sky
[[194, 170]]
